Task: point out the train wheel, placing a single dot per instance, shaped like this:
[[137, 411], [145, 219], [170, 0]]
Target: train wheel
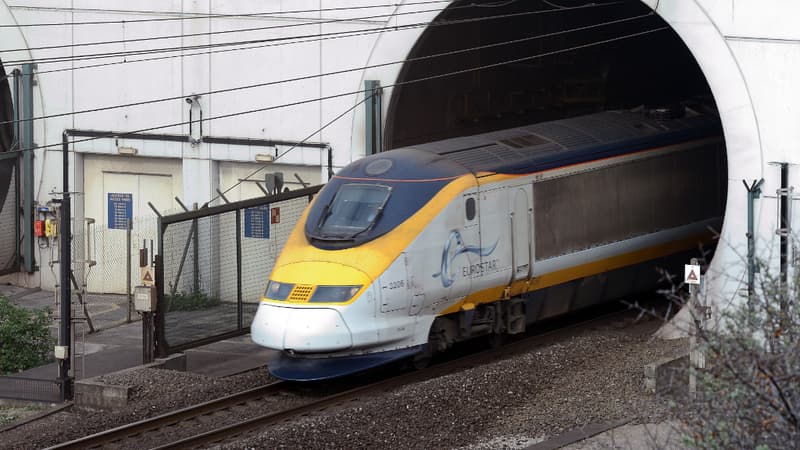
[[422, 359], [496, 340]]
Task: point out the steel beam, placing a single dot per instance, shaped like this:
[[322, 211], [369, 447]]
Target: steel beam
[[27, 251]]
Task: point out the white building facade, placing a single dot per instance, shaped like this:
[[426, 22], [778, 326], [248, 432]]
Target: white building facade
[[293, 72]]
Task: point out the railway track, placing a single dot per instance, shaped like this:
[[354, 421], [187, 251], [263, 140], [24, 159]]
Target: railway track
[[188, 427]]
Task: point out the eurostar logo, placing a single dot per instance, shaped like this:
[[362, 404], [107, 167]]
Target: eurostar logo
[[452, 249]]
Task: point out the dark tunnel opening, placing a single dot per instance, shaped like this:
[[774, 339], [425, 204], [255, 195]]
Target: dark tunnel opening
[[594, 58], [653, 69]]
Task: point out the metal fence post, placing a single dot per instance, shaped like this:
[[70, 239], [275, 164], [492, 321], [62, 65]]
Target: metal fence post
[[196, 258], [128, 230], [65, 326], [753, 192], [698, 313], [239, 306]]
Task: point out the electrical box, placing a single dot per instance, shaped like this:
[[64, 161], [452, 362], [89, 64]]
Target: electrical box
[[50, 228], [61, 352], [38, 228], [144, 298]]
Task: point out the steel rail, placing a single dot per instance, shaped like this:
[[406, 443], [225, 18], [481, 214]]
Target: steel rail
[[190, 412], [353, 395]]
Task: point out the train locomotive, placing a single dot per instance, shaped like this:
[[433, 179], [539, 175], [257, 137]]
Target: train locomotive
[[406, 252]]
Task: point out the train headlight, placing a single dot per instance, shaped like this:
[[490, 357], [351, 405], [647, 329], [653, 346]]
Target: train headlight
[[334, 294], [278, 291]]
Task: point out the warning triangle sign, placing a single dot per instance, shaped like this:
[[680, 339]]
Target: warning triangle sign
[[691, 274], [147, 276]]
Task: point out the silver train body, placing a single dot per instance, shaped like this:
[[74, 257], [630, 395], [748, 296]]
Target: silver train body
[[407, 252]]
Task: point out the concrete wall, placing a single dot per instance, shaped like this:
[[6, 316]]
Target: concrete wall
[[749, 50]]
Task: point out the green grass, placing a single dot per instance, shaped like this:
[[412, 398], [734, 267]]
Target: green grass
[[194, 301], [10, 414]]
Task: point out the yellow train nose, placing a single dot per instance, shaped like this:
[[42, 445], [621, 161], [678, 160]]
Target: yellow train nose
[[315, 282]]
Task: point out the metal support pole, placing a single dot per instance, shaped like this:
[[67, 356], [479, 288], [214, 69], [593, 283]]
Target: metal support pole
[[784, 198], [699, 314], [147, 337], [128, 230], [65, 327], [160, 345], [196, 258], [753, 192], [374, 139], [693, 332], [27, 169], [330, 162], [239, 306]]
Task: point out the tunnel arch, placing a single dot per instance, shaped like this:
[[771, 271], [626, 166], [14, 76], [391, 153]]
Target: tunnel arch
[[693, 28]]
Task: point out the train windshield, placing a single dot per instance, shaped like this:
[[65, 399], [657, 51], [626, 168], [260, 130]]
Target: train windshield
[[355, 209]]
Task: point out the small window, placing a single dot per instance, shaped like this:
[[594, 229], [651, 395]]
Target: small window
[[470, 208]]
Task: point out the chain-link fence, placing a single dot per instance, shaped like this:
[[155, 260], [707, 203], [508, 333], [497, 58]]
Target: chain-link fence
[[9, 218], [107, 248], [215, 265]]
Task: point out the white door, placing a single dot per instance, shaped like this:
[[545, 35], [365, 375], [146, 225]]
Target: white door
[[495, 241], [128, 190]]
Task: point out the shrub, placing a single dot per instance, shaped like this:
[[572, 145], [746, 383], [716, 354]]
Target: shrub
[[194, 301], [748, 396], [25, 339]]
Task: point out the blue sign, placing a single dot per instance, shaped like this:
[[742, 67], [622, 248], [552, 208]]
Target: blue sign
[[256, 222], [120, 210]]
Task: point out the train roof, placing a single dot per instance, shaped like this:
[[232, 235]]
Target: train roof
[[569, 141]]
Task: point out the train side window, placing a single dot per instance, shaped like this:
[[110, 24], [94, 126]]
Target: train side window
[[470, 208]]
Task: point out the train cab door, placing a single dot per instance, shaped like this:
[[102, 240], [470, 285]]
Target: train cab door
[[495, 267], [521, 219], [395, 287], [467, 217]]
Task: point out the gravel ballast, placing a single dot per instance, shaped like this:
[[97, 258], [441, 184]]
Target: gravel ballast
[[154, 392], [593, 376]]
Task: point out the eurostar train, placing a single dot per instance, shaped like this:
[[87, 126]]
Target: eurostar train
[[406, 252]]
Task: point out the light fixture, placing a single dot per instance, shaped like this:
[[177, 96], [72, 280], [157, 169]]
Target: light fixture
[[264, 157], [127, 150]]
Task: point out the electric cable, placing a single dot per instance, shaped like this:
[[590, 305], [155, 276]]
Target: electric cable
[[301, 142], [267, 14], [528, 58], [342, 71], [213, 33], [253, 46], [125, 54], [345, 94]]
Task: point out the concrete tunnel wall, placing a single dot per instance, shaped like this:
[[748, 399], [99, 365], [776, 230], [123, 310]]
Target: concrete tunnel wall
[[700, 28], [748, 51]]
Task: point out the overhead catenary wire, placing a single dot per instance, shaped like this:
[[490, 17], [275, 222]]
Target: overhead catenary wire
[[221, 32], [343, 71], [316, 38], [605, 41], [184, 16], [299, 143], [125, 54], [350, 93]]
